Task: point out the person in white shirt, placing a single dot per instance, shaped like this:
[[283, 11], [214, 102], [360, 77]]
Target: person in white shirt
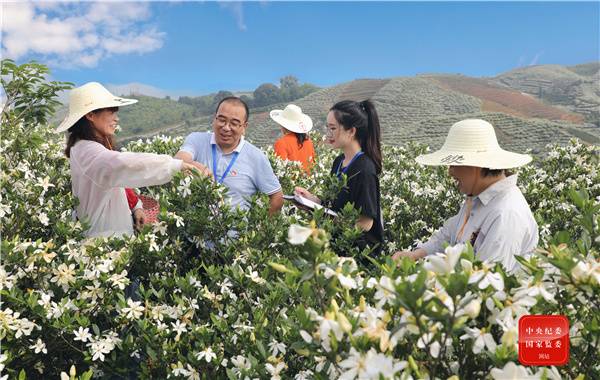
[[100, 174], [495, 217]]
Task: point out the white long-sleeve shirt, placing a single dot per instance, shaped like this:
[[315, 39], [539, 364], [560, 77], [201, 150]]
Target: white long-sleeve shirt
[[500, 226], [99, 176]]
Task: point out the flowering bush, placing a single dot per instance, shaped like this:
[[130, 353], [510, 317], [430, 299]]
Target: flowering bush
[[214, 292]]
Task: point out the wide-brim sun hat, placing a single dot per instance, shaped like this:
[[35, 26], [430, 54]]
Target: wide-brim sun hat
[[89, 97], [473, 142], [292, 119]]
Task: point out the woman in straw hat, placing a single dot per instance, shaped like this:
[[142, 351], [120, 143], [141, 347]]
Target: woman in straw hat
[[495, 217], [99, 174], [295, 144], [353, 127]]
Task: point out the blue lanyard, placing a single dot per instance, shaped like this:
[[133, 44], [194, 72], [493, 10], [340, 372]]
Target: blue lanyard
[[344, 170], [214, 159]]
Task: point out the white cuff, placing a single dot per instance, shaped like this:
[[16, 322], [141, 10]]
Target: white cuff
[[176, 165]]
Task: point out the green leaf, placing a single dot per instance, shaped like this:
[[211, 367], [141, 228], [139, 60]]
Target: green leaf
[[261, 349], [151, 353]]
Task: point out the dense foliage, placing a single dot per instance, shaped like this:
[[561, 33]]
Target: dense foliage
[[228, 294]]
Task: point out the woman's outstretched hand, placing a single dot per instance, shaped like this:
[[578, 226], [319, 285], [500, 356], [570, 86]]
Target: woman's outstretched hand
[[306, 194], [202, 169]]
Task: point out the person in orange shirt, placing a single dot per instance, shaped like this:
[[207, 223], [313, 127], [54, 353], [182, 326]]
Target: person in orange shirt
[[295, 144]]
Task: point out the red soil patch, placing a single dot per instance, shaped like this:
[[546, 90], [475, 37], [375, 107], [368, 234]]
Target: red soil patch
[[497, 99]]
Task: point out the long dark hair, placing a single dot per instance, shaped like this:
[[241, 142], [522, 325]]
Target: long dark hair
[[301, 137], [362, 116], [83, 130]]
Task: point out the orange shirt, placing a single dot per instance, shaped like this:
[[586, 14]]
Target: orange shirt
[[287, 147]]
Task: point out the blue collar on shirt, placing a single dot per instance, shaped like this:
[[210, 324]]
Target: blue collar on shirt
[[497, 188]]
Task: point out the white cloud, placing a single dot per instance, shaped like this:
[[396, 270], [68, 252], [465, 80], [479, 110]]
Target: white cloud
[[71, 34], [132, 42], [237, 9]]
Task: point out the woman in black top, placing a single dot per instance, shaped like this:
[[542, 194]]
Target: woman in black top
[[353, 128]]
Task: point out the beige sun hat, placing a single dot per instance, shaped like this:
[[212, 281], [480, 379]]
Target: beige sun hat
[[473, 142], [292, 118], [89, 97]]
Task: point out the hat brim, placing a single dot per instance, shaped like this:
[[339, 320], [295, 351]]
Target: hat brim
[[497, 159], [72, 118], [291, 125]]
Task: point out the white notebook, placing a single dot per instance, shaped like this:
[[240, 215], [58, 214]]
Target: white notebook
[[308, 203]]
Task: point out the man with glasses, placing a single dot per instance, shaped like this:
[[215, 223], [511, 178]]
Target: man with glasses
[[231, 160]]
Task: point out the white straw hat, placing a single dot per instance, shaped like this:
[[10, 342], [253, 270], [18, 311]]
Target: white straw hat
[[292, 118], [473, 142], [89, 97]]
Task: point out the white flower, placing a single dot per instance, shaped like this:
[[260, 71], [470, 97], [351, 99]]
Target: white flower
[[434, 348], [120, 280], [548, 373], [346, 281], [306, 336], [277, 347], [43, 218], [275, 370], [509, 372], [304, 375], [444, 263], [253, 275], [471, 309], [179, 328], [584, 271], [329, 324], [39, 346], [99, 348], [134, 311], [241, 363], [354, 366], [540, 288], [207, 355], [45, 183], [385, 291], [191, 373], [2, 360], [184, 188], [22, 326], [64, 275], [6, 280], [486, 278], [82, 334], [379, 364], [511, 331], [482, 339], [517, 307], [298, 235]]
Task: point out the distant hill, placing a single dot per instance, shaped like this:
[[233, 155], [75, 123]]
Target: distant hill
[[530, 107], [423, 108], [151, 115], [574, 88]]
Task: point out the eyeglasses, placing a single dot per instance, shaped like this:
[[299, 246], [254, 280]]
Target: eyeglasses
[[222, 121]]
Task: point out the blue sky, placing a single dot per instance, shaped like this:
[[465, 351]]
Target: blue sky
[[201, 47]]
